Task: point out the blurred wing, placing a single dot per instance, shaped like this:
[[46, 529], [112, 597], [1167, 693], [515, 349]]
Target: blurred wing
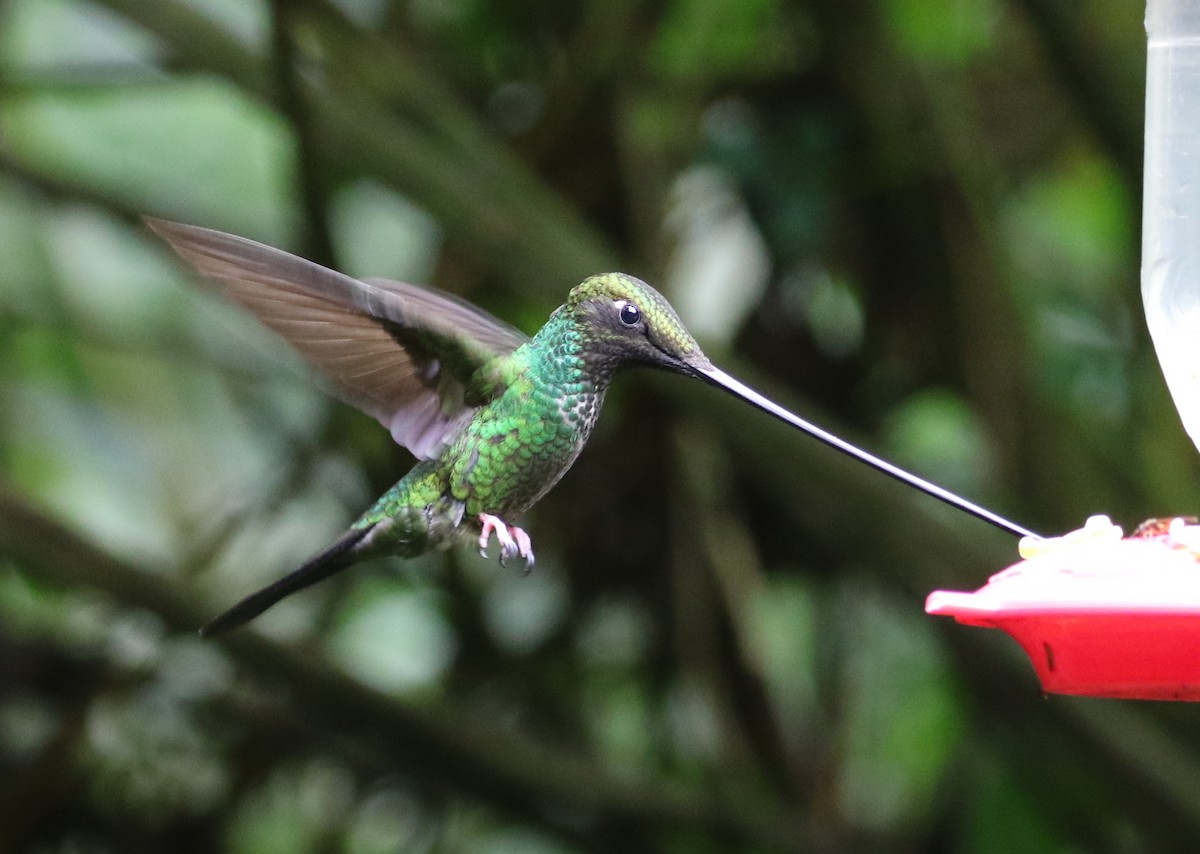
[[401, 353]]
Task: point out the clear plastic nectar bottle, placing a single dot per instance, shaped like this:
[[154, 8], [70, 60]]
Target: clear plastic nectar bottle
[[1171, 200]]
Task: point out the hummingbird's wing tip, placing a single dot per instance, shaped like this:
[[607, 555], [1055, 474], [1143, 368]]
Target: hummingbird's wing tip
[[164, 228]]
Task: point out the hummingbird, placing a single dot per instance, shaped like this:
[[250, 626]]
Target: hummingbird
[[493, 417]]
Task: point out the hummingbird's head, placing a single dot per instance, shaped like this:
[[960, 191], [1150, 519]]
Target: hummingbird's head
[[626, 322]]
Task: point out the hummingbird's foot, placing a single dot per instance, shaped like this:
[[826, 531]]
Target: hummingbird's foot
[[524, 546], [495, 524], [513, 541]]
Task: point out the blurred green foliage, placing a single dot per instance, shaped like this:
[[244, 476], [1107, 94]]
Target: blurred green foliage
[[915, 221]]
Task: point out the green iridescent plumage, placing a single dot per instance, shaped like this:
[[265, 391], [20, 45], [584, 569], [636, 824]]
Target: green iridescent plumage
[[494, 418]]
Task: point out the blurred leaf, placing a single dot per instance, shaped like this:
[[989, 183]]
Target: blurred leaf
[[383, 236], [937, 433], [1069, 228], [903, 724], [947, 32], [521, 611], [707, 39], [1002, 818], [199, 147], [395, 640], [46, 35]]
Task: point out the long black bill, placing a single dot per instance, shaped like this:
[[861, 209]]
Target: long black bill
[[719, 378]]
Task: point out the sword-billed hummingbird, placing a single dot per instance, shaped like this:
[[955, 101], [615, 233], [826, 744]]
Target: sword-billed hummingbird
[[494, 418]]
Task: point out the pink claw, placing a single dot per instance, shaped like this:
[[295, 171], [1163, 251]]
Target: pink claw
[[495, 524], [513, 541], [524, 546]]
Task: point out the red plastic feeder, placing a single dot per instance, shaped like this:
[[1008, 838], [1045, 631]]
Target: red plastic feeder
[[1098, 614]]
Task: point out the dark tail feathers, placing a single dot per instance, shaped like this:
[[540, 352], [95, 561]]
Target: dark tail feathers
[[321, 566]]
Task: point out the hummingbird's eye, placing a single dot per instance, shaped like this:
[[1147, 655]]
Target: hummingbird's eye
[[630, 315]]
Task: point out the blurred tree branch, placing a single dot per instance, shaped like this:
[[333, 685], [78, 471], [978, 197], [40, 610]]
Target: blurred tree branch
[[289, 97], [66, 191], [1109, 97], [425, 144], [507, 769]]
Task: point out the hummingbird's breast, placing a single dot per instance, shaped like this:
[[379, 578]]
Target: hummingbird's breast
[[519, 445]]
